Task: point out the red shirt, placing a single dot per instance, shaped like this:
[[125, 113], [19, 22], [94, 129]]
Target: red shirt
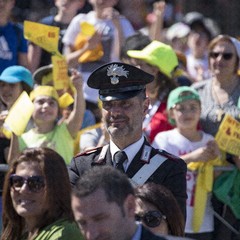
[[158, 123]]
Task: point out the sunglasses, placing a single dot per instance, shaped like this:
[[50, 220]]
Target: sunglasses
[[34, 183], [151, 219], [226, 56]]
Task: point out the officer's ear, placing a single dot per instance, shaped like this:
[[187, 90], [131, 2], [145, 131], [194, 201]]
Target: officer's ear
[[129, 206], [146, 105]]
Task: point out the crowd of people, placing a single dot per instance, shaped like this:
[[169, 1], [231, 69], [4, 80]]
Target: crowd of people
[[148, 101]]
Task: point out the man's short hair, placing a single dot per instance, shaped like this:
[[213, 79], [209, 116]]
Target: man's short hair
[[115, 184]]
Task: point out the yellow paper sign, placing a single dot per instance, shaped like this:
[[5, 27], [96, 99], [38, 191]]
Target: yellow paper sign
[[228, 135], [87, 29], [44, 36], [65, 100], [91, 55], [19, 114], [60, 72]]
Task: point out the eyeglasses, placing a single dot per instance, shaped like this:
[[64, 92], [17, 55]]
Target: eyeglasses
[[226, 56], [151, 219], [34, 183]]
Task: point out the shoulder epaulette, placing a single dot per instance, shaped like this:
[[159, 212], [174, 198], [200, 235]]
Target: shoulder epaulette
[[169, 155], [89, 151]]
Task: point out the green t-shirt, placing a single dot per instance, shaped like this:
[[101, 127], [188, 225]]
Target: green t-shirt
[[59, 139], [60, 230]]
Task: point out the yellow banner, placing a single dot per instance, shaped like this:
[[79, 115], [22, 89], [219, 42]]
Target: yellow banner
[[228, 135], [44, 36], [19, 116], [61, 78]]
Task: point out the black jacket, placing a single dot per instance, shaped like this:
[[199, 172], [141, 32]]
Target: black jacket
[[147, 235], [171, 173]]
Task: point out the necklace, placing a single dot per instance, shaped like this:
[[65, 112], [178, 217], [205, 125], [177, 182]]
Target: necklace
[[222, 100], [219, 111]]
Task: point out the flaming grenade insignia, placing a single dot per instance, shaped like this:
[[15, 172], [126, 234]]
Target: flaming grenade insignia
[[115, 71]]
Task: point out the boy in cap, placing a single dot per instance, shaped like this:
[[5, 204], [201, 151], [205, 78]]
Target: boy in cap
[[192, 145], [47, 132], [13, 81], [124, 105], [160, 60]]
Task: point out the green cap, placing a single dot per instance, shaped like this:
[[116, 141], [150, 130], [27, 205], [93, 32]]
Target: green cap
[[181, 94], [177, 96], [157, 54]]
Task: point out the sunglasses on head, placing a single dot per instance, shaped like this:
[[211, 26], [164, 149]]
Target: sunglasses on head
[[226, 56], [34, 183], [151, 218]]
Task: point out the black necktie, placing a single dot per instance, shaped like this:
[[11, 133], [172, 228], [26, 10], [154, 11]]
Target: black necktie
[[119, 158]]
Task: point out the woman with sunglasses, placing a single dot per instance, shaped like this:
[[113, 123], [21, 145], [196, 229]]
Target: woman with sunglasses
[[220, 95], [36, 198], [158, 210]]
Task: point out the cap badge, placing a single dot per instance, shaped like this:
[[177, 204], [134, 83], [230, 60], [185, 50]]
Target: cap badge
[[116, 71]]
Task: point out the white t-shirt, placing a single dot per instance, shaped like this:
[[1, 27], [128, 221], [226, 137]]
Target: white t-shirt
[[173, 142], [108, 42], [195, 63]]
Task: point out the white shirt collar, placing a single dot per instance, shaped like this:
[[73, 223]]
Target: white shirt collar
[[138, 233], [131, 150]]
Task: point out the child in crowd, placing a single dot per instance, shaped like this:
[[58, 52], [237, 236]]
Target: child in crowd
[[13, 81], [47, 133], [91, 52], [192, 145], [66, 10]]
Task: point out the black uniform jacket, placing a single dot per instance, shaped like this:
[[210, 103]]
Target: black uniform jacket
[[171, 173], [147, 235]]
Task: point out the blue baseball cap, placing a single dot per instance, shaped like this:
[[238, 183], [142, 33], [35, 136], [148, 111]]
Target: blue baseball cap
[[15, 74]]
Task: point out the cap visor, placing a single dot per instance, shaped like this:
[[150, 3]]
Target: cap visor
[[136, 54], [9, 79], [118, 96], [41, 72]]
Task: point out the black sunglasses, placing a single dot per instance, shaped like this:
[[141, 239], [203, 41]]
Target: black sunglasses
[[226, 56], [151, 218], [34, 183]]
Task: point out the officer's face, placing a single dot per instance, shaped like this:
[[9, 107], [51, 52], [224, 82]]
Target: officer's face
[[123, 118], [106, 221]]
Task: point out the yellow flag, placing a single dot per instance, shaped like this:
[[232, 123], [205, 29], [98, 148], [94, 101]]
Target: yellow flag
[[60, 72], [65, 100], [44, 36], [87, 29], [228, 135], [19, 116], [204, 186]]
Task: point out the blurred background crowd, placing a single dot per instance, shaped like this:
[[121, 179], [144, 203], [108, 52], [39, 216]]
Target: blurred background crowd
[[182, 43], [223, 11]]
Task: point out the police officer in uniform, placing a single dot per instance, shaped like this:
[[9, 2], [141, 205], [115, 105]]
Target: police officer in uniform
[[124, 105]]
